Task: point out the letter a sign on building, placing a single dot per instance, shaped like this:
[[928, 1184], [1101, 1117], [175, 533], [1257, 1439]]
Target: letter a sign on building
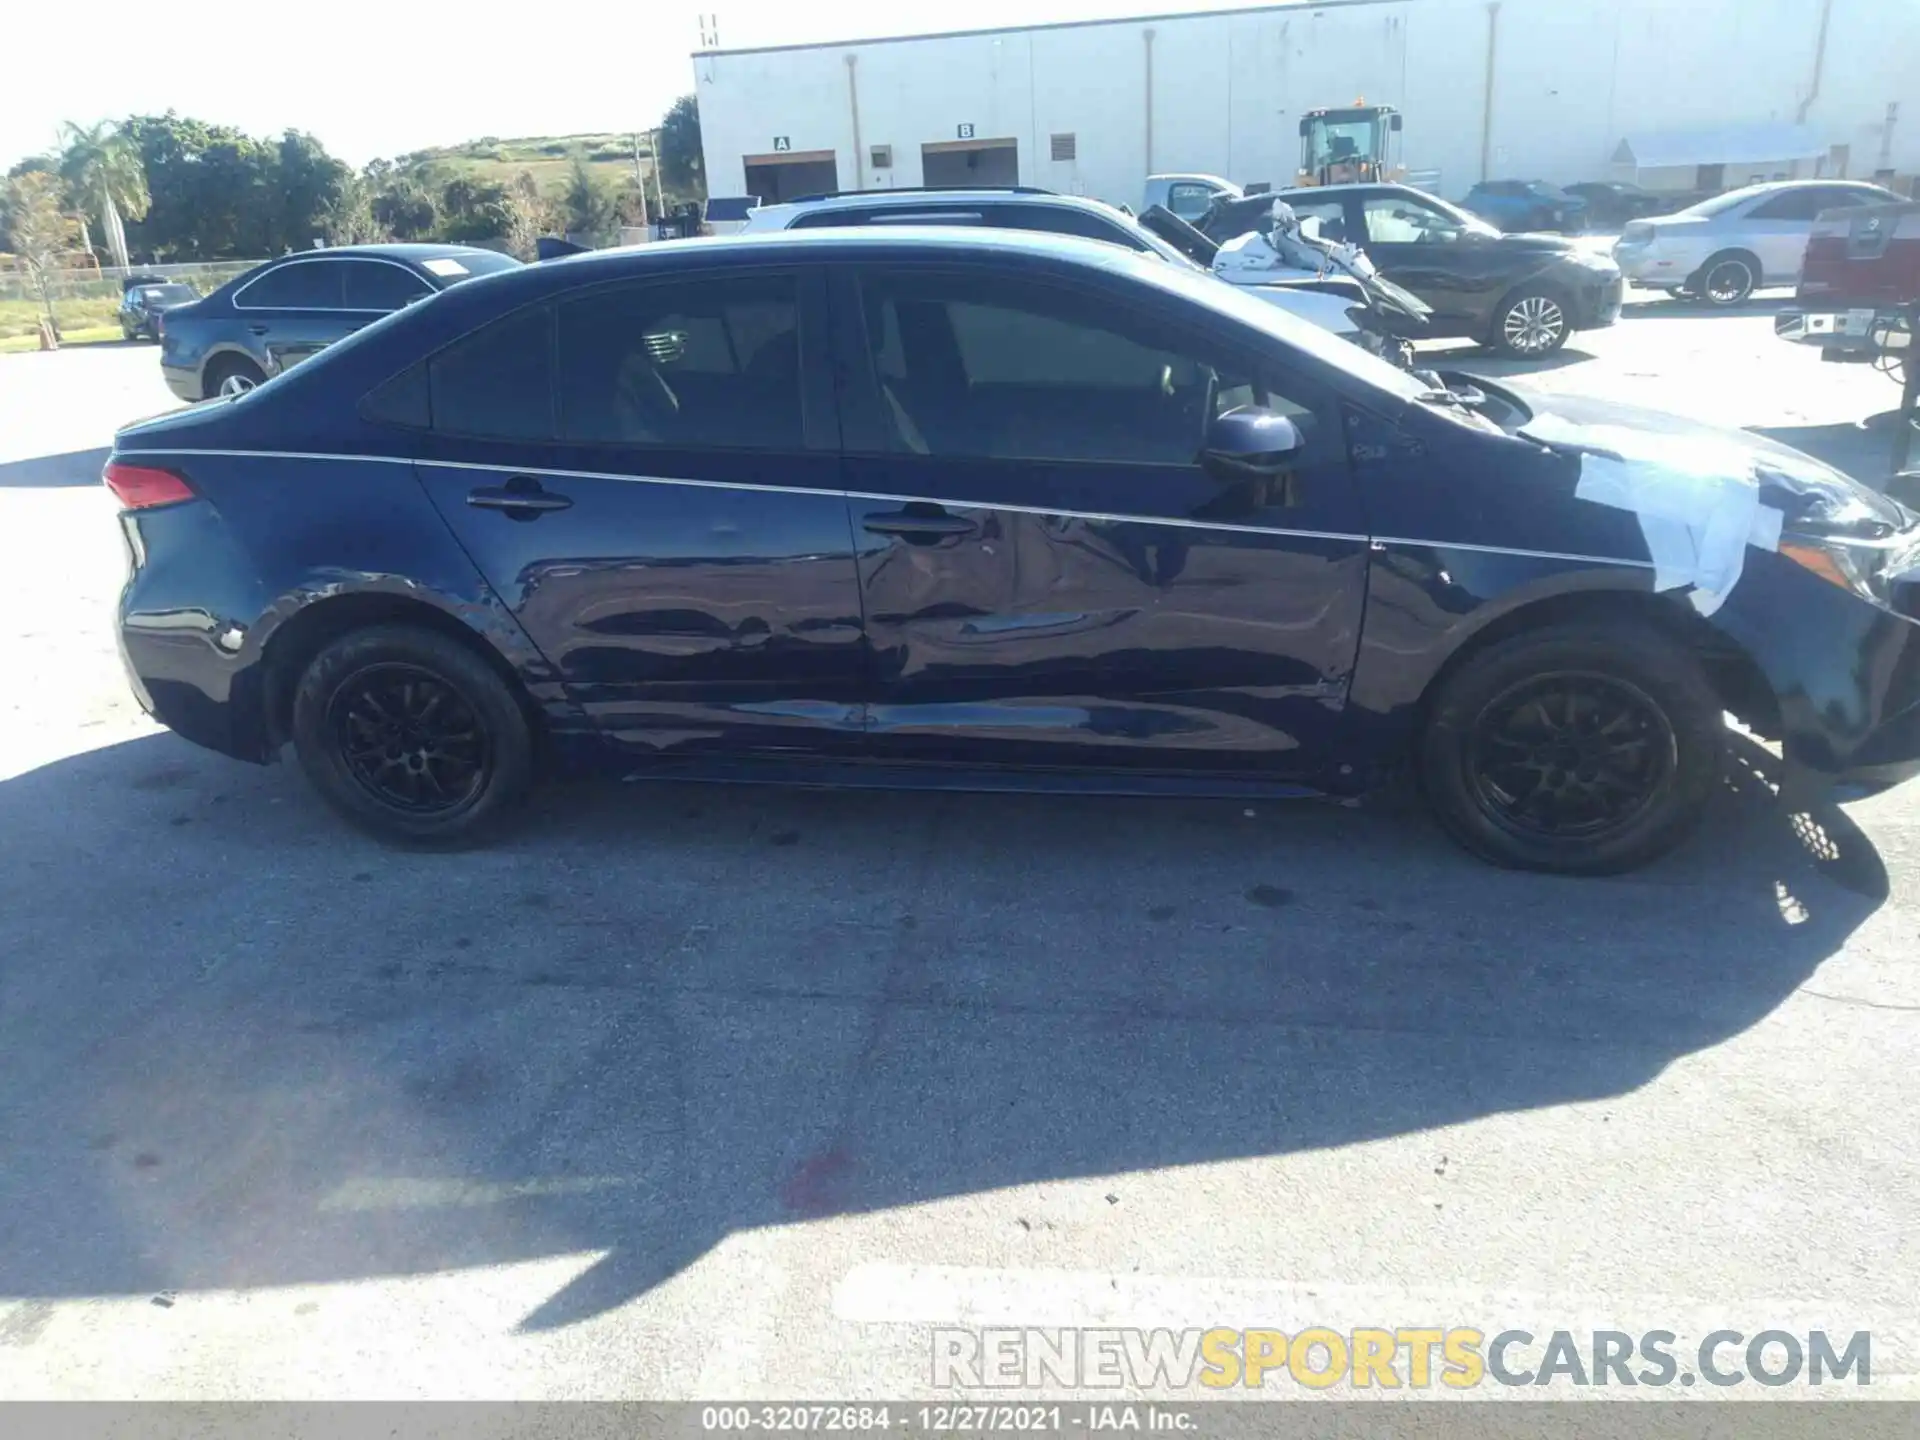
[[783, 142]]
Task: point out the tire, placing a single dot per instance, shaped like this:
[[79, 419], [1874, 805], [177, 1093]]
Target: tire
[[231, 375], [1531, 323], [408, 695], [1728, 279], [1514, 783]]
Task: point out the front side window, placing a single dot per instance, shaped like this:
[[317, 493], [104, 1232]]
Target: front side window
[[985, 368], [711, 363], [1793, 205], [377, 285], [497, 383], [1400, 220], [302, 285]]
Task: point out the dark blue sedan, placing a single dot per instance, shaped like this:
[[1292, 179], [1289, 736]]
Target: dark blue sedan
[[945, 509]]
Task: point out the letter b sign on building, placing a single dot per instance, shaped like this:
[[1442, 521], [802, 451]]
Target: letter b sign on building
[[966, 132]]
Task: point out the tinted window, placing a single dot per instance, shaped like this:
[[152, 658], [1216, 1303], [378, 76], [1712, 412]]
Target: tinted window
[[377, 285], [985, 368], [498, 382], [302, 285], [704, 363], [1793, 204], [1059, 220]]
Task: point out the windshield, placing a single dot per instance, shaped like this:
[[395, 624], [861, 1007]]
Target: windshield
[[168, 294], [1323, 345], [1334, 141], [1542, 188]]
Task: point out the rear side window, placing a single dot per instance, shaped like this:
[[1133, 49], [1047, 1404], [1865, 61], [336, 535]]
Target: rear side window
[[378, 285], [497, 383], [701, 364], [302, 285]]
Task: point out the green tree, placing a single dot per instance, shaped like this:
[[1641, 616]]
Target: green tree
[[306, 181], [103, 168], [38, 228], [529, 215], [473, 210], [592, 215], [677, 149], [349, 219], [211, 188], [403, 203]]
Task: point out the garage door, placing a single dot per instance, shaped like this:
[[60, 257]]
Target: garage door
[[789, 174], [960, 164]]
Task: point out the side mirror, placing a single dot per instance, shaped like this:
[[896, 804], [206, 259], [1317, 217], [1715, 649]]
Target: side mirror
[[1250, 441]]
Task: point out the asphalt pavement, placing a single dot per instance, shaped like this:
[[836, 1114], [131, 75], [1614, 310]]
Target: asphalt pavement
[[703, 1092]]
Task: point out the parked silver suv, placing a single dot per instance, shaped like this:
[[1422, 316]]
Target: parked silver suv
[[1722, 250]]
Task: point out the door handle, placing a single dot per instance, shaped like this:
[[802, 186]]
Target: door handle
[[257, 329], [919, 520], [521, 498]]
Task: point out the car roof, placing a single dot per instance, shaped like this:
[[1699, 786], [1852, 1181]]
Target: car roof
[[393, 251], [884, 199]]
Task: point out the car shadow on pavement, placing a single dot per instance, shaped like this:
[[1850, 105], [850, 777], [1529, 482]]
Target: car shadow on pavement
[[247, 1047], [1648, 306], [49, 472], [1486, 360]]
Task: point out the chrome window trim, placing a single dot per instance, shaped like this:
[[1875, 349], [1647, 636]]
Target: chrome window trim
[[1101, 517], [331, 309]]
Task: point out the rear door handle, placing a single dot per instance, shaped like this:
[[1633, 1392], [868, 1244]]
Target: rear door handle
[[257, 329], [927, 521], [521, 498]]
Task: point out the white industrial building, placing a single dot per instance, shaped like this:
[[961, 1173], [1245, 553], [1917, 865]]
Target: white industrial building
[[1675, 95]]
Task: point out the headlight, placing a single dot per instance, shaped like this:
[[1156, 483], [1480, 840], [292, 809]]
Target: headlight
[[1870, 572]]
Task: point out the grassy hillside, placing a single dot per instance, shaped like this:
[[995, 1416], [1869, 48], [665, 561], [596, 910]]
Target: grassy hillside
[[546, 157]]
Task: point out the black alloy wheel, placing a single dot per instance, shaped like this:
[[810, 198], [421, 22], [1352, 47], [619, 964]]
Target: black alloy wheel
[[1569, 755], [412, 734], [1583, 747], [410, 739]]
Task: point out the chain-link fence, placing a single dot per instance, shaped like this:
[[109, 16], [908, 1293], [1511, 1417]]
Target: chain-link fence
[[88, 299]]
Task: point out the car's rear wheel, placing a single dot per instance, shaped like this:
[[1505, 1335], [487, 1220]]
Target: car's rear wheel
[[1727, 280], [411, 735], [1581, 748], [232, 375], [1531, 323]]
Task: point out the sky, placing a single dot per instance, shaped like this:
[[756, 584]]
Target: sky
[[382, 77]]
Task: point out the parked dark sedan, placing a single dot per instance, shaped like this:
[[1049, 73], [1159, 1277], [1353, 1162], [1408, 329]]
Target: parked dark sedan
[[144, 299], [1524, 294], [1612, 203], [273, 317], [1518, 205], [956, 509]]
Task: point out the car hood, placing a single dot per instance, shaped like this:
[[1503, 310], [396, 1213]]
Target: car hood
[[1534, 244], [1814, 498]]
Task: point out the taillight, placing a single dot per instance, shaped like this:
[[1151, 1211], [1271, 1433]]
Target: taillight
[[160, 325], [141, 487]]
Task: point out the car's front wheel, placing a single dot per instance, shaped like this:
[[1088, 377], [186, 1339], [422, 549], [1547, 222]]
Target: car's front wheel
[[1582, 748], [1531, 323], [411, 735]]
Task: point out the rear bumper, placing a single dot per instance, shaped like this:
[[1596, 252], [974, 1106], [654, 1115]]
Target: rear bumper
[[1854, 329], [182, 380]]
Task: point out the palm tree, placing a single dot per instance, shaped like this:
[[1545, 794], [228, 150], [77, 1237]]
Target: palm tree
[[103, 170]]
